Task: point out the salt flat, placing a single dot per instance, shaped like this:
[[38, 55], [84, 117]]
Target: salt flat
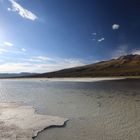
[[19, 122], [84, 79], [106, 110]]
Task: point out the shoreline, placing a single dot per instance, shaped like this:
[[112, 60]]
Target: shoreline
[[67, 79], [74, 78]]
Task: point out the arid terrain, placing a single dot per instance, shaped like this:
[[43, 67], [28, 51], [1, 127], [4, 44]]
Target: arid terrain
[[128, 65]]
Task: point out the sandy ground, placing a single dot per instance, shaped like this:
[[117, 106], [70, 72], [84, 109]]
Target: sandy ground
[[19, 122]]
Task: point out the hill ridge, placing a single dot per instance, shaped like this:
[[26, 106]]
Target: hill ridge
[[128, 65]]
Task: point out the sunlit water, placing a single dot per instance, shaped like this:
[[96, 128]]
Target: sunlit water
[[105, 110]]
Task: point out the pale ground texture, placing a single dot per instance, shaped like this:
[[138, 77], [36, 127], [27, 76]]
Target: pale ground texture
[[110, 111], [110, 117], [18, 122], [70, 79], [83, 79]]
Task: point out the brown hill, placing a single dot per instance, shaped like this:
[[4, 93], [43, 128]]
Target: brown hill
[[128, 65]]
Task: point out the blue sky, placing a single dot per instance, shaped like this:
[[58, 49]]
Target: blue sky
[[48, 35]]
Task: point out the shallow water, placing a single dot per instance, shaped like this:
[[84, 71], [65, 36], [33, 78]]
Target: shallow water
[[105, 110]]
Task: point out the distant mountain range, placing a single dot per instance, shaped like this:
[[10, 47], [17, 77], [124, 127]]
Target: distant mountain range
[[128, 65], [10, 75]]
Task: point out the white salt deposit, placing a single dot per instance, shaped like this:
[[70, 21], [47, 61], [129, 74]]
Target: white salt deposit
[[18, 122], [83, 79]]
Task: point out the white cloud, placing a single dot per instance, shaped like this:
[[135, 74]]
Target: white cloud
[[121, 51], [62, 61], [40, 59], [7, 47], [124, 50], [115, 26], [136, 51], [15, 51], [101, 39], [23, 50], [13, 67], [38, 66], [72, 63], [22, 11], [9, 9], [2, 50], [94, 33], [44, 58], [8, 44]]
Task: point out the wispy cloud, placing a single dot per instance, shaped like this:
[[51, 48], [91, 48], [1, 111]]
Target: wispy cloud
[[120, 51], [94, 33], [40, 66], [22, 11], [44, 58], [8, 44], [14, 67], [40, 59], [2, 50], [124, 50], [101, 39], [15, 51], [115, 26], [72, 62], [136, 51], [97, 37], [7, 47], [23, 50], [64, 62]]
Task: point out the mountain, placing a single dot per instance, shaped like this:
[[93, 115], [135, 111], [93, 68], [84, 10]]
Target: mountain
[[128, 65], [9, 75]]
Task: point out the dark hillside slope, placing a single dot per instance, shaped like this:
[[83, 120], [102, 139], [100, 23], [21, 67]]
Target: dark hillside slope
[[128, 65]]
